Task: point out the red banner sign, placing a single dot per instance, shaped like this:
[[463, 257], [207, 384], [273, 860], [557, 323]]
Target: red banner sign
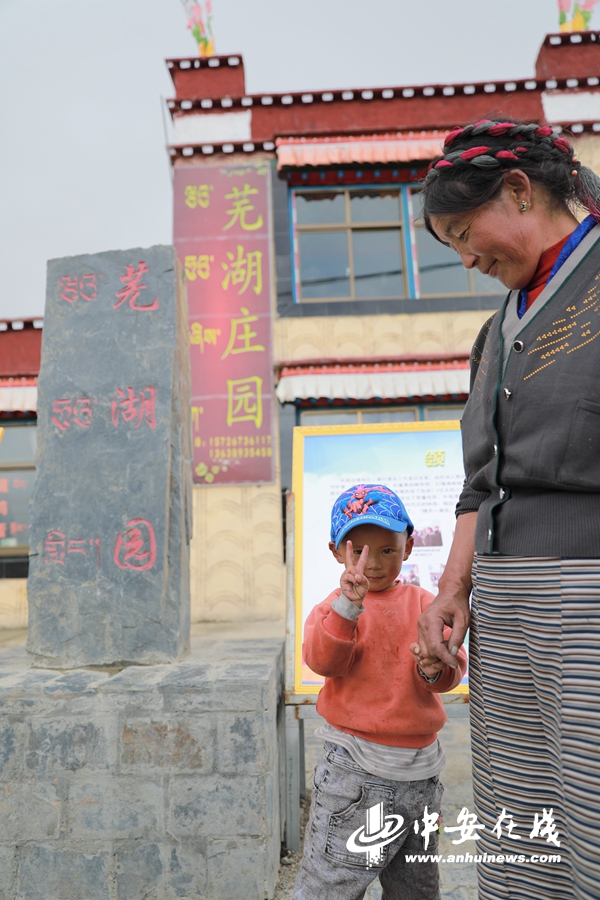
[[222, 238], [16, 487]]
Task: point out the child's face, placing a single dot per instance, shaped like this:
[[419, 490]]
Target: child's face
[[387, 552]]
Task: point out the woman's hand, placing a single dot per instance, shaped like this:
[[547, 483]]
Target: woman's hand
[[451, 606], [354, 583], [452, 610]]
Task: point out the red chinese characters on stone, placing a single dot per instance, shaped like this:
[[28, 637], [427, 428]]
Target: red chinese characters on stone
[[3, 485], [54, 547], [62, 413], [136, 548], [73, 288], [133, 288], [77, 545], [57, 547], [134, 407], [84, 287], [82, 412], [80, 409]]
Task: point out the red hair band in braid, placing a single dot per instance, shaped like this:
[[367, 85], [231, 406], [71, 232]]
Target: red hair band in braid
[[483, 156], [496, 129], [499, 146]]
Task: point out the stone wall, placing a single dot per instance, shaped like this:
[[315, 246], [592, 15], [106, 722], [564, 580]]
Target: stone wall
[[147, 783]]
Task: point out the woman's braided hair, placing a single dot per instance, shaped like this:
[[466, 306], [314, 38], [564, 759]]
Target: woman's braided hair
[[476, 158]]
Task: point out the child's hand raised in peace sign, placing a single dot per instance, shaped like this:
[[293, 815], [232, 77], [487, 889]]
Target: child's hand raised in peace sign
[[354, 583]]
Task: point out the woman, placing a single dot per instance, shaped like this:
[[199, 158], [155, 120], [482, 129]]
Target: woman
[[527, 539]]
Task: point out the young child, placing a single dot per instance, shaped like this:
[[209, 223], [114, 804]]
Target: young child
[[376, 794]]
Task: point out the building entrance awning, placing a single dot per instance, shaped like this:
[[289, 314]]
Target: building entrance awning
[[380, 381], [375, 148], [18, 396]]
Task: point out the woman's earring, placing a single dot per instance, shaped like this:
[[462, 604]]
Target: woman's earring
[[524, 205]]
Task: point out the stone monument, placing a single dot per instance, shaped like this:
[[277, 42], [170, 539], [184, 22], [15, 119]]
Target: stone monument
[[111, 510], [128, 774]]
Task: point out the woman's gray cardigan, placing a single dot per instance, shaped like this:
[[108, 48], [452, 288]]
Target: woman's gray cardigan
[[531, 426]]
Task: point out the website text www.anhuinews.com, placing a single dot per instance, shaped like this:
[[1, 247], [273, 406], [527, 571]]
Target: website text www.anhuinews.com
[[519, 858]]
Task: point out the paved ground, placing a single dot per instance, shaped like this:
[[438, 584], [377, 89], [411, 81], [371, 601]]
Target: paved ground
[[458, 879]]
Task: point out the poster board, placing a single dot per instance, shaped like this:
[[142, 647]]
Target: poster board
[[421, 461]]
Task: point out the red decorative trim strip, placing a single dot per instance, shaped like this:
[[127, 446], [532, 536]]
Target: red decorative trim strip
[[429, 359], [364, 369]]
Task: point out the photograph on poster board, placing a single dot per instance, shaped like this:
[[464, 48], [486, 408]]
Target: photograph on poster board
[[422, 462]]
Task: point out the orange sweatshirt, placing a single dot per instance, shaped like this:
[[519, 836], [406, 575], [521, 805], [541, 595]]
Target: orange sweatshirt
[[372, 687]]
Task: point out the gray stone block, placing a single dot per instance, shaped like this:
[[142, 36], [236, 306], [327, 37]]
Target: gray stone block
[[111, 510], [216, 806], [8, 871], [170, 744], [198, 699], [29, 811], [186, 870], [58, 745], [139, 873], [236, 868], [17, 682], [133, 691], [271, 784], [49, 873], [34, 692], [13, 737], [242, 744], [74, 693], [235, 676], [115, 808]]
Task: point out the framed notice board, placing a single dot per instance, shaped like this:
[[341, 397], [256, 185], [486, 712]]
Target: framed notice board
[[421, 461]]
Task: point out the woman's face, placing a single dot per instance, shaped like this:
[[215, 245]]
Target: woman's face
[[498, 239]]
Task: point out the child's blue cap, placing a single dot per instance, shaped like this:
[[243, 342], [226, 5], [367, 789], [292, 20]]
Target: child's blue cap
[[368, 504]]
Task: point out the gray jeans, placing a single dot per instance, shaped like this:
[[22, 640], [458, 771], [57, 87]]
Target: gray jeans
[[352, 809]]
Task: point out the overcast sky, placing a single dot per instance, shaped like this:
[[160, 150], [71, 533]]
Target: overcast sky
[[83, 165]]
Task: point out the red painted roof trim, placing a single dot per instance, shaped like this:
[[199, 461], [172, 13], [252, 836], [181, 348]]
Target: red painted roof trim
[[20, 348], [425, 92]]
